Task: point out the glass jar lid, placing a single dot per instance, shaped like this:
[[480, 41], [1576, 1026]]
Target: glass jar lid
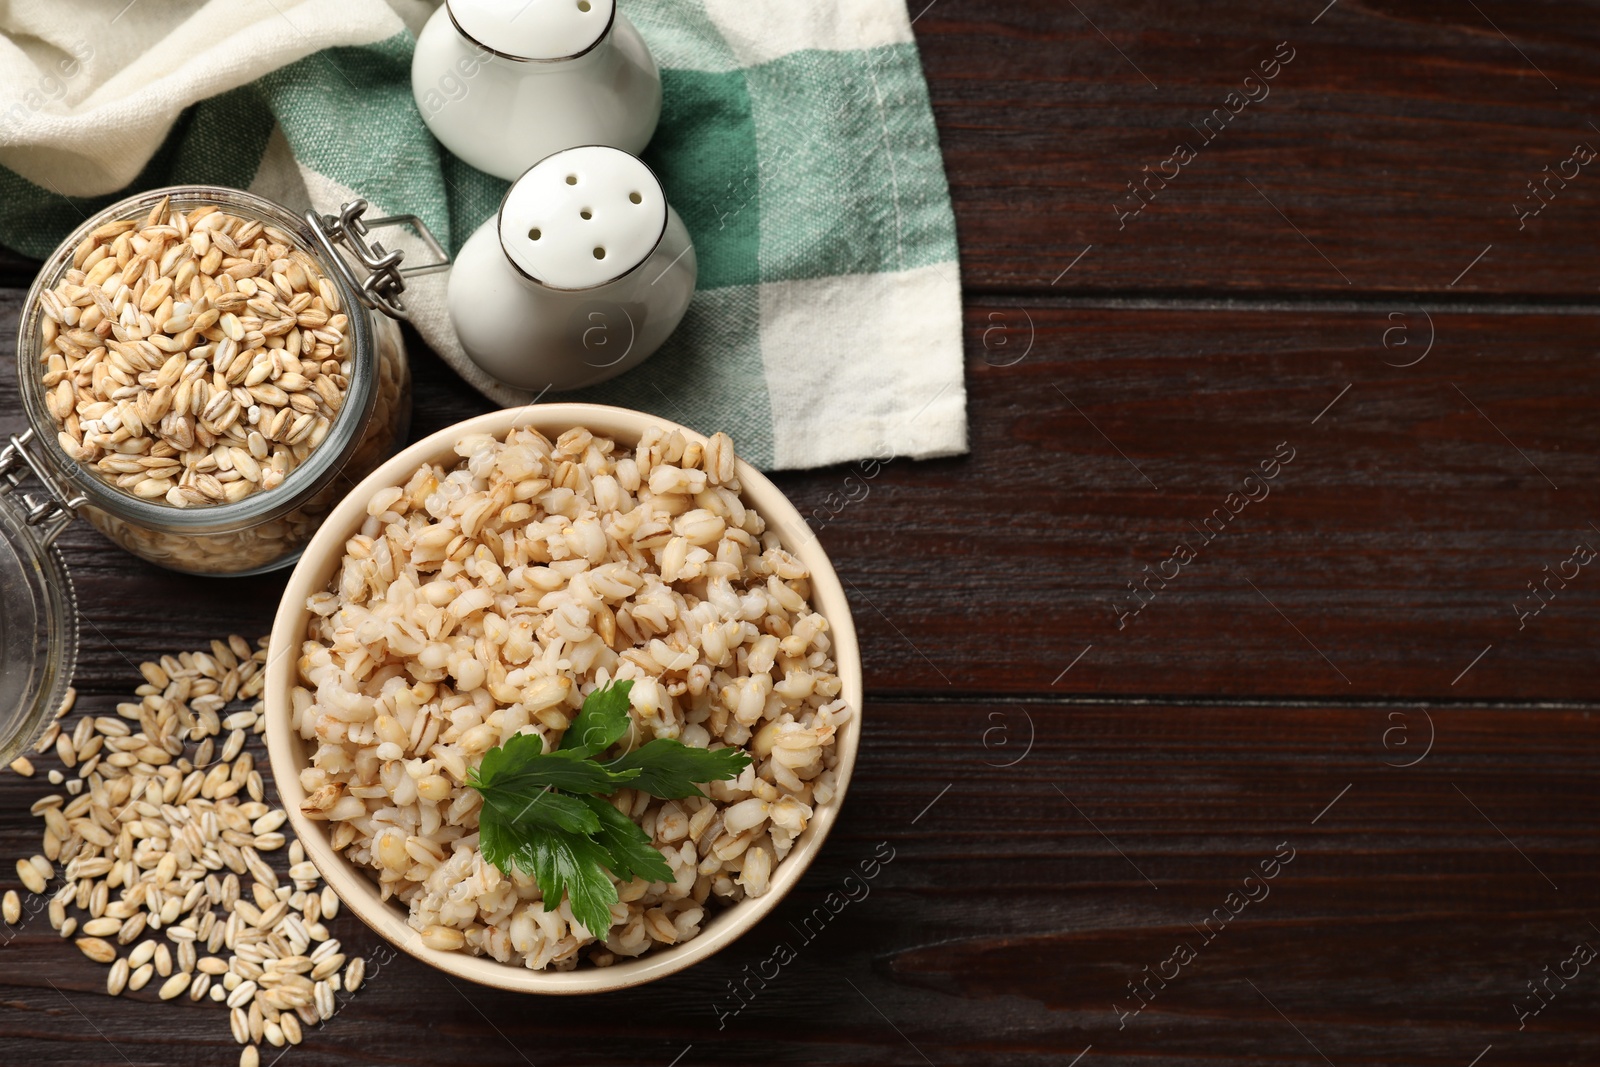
[[39, 627]]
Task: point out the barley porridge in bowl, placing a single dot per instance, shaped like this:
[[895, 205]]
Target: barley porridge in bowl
[[564, 698]]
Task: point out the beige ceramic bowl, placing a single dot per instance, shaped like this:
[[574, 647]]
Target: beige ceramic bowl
[[289, 753]]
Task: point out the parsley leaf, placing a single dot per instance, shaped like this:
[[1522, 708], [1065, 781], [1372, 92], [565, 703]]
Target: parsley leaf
[[574, 866], [543, 808], [603, 720], [670, 769], [522, 767], [502, 845], [544, 813], [632, 854], [562, 863]]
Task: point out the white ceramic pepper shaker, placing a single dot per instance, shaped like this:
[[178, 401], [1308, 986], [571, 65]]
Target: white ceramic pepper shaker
[[504, 83], [581, 275]]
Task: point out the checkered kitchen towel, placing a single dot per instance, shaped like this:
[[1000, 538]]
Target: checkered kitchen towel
[[796, 141]]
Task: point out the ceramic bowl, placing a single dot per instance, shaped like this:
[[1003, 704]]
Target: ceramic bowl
[[289, 753]]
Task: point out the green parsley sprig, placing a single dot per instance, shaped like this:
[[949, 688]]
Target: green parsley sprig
[[545, 813]]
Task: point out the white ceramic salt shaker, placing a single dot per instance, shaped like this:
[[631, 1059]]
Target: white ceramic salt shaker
[[504, 83], [581, 275]]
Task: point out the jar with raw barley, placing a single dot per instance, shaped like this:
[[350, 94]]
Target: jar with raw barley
[[205, 375]]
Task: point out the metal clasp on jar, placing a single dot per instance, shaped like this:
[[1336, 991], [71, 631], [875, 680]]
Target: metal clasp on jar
[[52, 512], [380, 290]]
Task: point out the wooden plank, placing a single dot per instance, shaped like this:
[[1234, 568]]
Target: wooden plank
[[1391, 150], [1013, 909], [1389, 554]]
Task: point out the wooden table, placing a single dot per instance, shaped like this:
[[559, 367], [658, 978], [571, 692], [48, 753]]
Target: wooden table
[[1343, 679]]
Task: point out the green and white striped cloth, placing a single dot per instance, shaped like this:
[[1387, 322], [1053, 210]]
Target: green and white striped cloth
[[796, 141]]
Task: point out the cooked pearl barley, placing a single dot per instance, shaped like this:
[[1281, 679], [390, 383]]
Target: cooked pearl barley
[[443, 937], [487, 599]]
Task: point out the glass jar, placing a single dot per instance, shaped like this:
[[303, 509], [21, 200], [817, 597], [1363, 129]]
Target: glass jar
[[267, 528], [39, 629]]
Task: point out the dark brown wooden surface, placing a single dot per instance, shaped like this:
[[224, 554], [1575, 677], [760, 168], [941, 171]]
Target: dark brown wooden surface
[[1398, 140], [1339, 672]]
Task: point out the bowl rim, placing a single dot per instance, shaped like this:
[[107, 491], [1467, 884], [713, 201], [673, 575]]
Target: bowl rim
[[318, 563]]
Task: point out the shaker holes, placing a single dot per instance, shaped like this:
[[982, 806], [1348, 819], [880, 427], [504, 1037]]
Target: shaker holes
[[572, 179], [636, 198], [583, 5], [534, 234], [586, 214], [599, 253]]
